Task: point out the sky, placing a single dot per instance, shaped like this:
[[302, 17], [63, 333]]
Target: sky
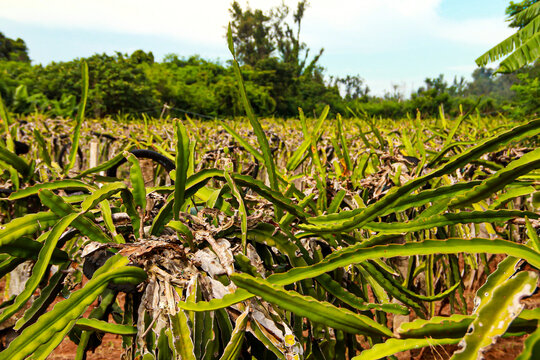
[[386, 42]]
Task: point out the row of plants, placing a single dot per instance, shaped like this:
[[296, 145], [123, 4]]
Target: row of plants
[[356, 238]]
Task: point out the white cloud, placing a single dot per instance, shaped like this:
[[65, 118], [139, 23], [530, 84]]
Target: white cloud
[[389, 25], [198, 21], [202, 21], [373, 25]]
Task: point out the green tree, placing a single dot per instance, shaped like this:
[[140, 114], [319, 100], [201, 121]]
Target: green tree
[[523, 47], [118, 84], [14, 50], [514, 9], [527, 96], [291, 49], [428, 98], [140, 57], [13, 74], [353, 87], [258, 36], [270, 49], [252, 34]]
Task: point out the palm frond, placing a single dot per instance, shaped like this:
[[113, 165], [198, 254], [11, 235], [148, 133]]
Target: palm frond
[[512, 43], [525, 54], [528, 14]]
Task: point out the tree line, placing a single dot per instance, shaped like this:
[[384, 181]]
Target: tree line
[[279, 73]]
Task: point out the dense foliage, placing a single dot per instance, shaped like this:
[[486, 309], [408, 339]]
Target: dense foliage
[[279, 75], [14, 50], [122, 84]]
